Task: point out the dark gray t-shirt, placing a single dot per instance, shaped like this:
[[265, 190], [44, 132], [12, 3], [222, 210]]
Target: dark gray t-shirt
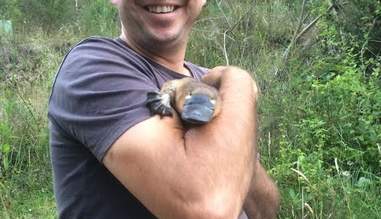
[[99, 93]]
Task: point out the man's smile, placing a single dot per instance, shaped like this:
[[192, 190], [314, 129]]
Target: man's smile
[[161, 9], [162, 15]]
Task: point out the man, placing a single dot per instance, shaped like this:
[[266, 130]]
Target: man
[[112, 159]]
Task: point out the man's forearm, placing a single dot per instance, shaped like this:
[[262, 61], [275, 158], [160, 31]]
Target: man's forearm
[[226, 145], [262, 201]]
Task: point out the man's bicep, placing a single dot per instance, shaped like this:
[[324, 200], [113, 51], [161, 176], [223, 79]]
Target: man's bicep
[[141, 159]]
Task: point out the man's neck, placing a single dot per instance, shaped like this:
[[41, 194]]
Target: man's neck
[[172, 59]]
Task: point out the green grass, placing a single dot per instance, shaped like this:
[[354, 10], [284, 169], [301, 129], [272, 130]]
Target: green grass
[[28, 196]]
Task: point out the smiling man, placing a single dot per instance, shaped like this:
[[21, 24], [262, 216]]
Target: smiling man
[[112, 159]]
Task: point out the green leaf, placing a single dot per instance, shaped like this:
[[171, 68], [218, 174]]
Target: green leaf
[[5, 148]]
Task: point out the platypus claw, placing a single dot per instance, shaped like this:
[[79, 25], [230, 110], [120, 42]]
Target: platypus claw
[[159, 103]]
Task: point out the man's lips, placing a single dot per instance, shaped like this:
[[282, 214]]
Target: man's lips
[[161, 14]]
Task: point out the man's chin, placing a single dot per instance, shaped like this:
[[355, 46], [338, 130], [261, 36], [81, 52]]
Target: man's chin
[[166, 35], [166, 40]]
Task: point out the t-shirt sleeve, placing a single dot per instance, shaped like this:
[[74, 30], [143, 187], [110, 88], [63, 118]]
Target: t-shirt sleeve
[[98, 94]]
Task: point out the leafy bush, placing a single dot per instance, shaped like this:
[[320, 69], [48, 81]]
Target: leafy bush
[[325, 119]]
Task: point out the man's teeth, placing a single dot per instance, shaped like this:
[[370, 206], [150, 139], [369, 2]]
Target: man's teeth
[[161, 9]]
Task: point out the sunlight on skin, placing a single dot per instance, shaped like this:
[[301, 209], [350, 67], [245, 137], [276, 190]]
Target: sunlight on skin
[[115, 2]]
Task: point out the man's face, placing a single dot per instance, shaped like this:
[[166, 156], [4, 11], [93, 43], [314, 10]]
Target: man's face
[[158, 22]]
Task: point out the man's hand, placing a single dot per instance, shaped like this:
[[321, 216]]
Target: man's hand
[[201, 172]]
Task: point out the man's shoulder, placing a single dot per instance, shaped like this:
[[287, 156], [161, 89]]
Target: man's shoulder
[[100, 42], [99, 47], [102, 54], [95, 40]]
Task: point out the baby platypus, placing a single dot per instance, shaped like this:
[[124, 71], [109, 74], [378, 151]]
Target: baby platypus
[[196, 102]]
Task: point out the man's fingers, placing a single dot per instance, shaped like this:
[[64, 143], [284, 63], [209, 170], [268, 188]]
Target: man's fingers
[[213, 77]]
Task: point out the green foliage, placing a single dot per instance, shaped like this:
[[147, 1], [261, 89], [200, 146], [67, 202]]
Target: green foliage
[[98, 17], [325, 119], [337, 110], [86, 17], [49, 13], [9, 9], [26, 71], [330, 133]]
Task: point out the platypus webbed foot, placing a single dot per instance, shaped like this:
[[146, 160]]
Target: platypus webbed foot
[[198, 109], [159, 103]]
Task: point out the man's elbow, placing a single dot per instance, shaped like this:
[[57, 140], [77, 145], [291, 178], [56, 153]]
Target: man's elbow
[[216, 207], [208, 213]]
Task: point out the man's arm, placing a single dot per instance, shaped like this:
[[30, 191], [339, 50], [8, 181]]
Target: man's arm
[[203, 172], [262, 201]]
